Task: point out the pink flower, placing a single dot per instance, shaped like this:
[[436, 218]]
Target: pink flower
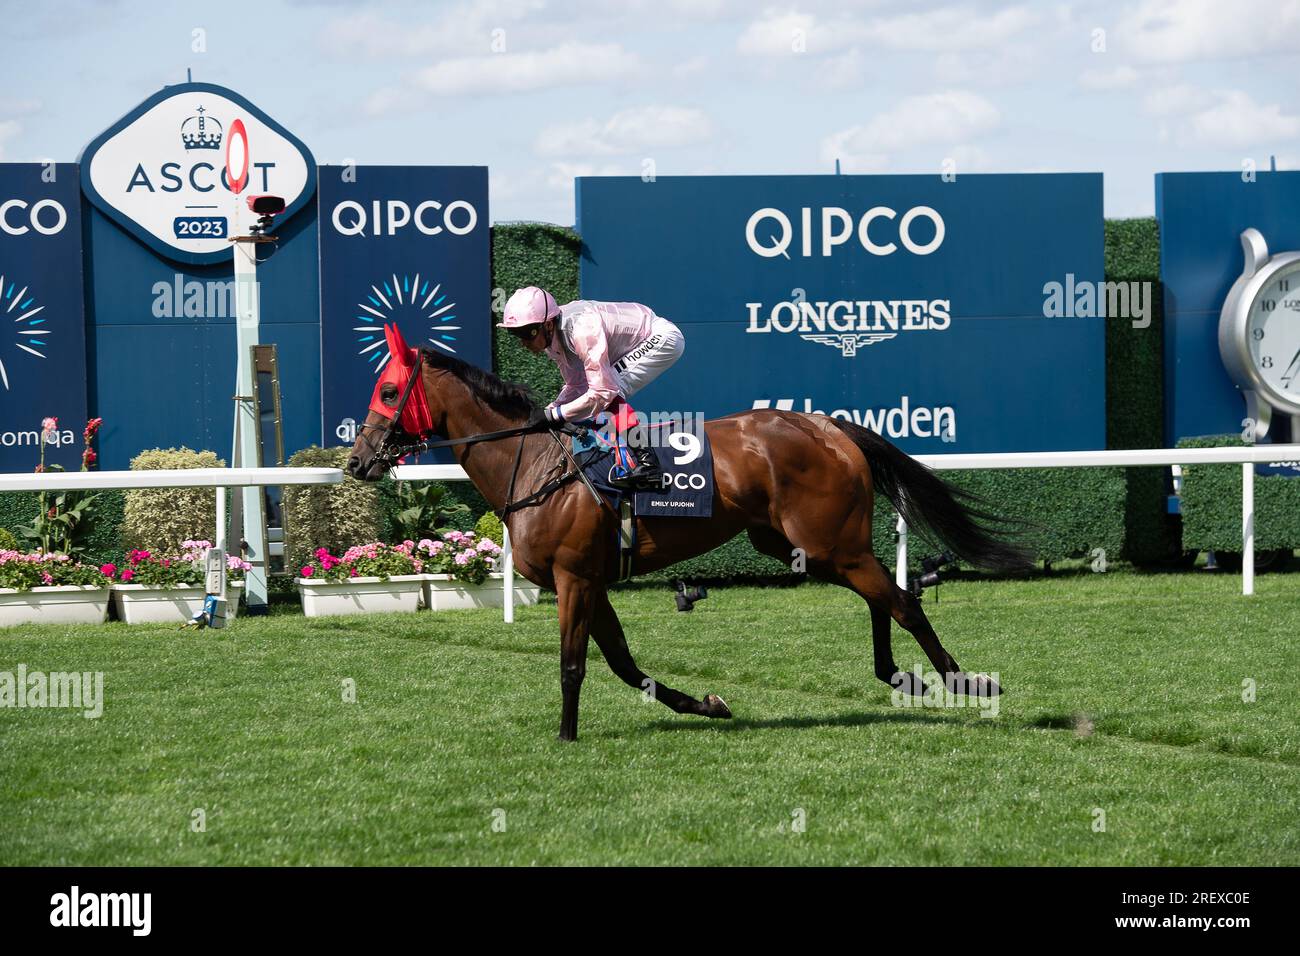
[[108, 570], [45, 576], [48, 425], [322, 553], [127, 575], [352, 572], [306, 570]]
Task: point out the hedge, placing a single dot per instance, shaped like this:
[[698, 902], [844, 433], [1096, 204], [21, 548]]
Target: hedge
[[1211, 504], [160, 519], [327, 516], [105, 545]]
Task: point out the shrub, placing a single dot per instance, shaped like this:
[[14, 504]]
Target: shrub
[[333, 517], [1211, 504], [163, 518], [7, 541], [489, 526]]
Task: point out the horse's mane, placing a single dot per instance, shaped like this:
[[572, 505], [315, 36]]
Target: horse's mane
[[508, 398]]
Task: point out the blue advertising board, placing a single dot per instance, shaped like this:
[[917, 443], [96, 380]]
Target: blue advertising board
[[950, 316], [1201, 217], [406, 245], [43, 348]]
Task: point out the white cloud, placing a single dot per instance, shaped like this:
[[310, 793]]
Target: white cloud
[[1119, 78], [1238, 121], [775, 34], [458, 29], [1175, 100], [950, 28], [627, 131], [1178, 31], [949, 117], [570, 64]]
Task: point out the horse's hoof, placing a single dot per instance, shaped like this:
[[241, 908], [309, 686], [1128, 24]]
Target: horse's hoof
[[973, 685], [715, 706], [908, 683]]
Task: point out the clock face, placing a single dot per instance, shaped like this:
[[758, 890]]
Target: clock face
[[1273, 331]]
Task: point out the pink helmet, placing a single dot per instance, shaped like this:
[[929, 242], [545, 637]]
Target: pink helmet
[[528, 307]]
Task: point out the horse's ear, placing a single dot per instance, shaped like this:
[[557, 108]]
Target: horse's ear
[[396, 344]]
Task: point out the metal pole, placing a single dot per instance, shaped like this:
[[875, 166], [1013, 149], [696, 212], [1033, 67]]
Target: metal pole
[[900, 570], [508, 577], [1247, 529], [248, 428], [220, 539]]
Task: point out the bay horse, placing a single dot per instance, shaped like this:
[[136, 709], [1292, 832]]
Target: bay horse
[[788, 480]]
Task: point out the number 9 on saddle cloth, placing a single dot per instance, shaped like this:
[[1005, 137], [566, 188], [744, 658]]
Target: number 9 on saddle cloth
[[686, 488]]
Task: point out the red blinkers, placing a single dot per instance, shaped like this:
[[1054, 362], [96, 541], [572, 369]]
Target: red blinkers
[[415, 417]]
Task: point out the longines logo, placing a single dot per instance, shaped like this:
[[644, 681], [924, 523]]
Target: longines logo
[[160, 171], [849, 326]]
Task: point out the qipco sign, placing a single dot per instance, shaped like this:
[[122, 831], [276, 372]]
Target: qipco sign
[[391, 217], [44, 217], [880, 230], [160, 171]]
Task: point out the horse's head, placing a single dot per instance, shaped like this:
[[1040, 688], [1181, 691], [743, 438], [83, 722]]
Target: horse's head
[[400, 412]]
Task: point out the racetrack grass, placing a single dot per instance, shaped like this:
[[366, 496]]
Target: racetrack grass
[[456, 717]]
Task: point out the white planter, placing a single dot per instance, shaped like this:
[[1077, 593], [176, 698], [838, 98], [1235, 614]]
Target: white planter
[[62, 604], [321, 598], [153, 604], [442, 592]]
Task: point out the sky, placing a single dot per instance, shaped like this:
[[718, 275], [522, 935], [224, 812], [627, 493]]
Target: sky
[[541, 91]]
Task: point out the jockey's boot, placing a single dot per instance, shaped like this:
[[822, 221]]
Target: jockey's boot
[[642, 464], [645, 473]]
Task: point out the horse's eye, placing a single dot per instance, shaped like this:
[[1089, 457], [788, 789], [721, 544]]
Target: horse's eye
[[388, 395]]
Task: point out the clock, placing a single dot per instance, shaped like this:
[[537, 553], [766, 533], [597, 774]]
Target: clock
[[1259, 333]]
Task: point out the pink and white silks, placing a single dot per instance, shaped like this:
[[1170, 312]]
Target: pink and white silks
[[607, 352]]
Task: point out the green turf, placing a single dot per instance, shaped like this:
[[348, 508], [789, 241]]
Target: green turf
[[457, 714]]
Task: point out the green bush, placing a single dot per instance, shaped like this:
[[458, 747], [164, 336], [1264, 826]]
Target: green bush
[[1211, 504], [327, 516], [161, 518], [1135, 387], [489, 526], [7, 541], [525, 254]]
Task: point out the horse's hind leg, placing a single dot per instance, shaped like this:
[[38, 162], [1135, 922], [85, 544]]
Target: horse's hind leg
[[868, 577], [608, 632]]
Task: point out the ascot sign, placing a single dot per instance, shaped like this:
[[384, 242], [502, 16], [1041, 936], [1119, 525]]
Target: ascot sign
[[159, 172]]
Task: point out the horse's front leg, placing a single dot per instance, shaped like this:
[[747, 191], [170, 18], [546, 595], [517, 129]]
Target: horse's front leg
[[608, 632], [575, 598]]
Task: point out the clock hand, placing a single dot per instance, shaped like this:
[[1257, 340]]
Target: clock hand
[[1287, 374]]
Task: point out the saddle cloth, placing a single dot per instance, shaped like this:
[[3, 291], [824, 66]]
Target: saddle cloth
[[686, 458]]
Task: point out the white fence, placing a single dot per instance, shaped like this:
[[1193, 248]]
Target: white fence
[[223, 478], [1247, 456]]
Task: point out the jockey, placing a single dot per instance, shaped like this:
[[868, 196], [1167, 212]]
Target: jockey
[[607, 352]]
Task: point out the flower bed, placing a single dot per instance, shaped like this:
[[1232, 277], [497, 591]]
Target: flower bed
[[368, 579], [155, 588], [37, 587]]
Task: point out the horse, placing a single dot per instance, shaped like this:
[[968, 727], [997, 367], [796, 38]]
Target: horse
[[799, 485]]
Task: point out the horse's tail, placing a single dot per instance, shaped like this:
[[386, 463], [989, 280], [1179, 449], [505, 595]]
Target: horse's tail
[[956, 518]]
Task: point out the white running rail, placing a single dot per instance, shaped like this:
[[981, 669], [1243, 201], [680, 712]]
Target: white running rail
[[1245, 455]]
